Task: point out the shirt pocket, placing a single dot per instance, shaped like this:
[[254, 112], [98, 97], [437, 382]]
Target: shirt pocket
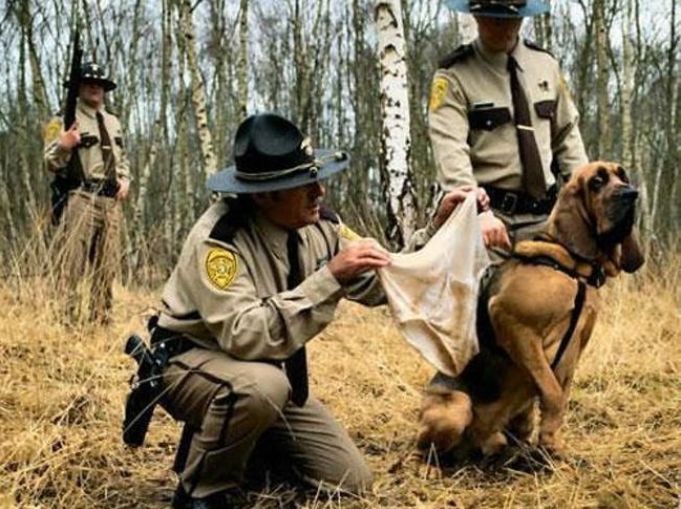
[[488, 119], [545, 109]]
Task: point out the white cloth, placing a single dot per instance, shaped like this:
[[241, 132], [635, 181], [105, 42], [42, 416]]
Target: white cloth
[[433, 292]]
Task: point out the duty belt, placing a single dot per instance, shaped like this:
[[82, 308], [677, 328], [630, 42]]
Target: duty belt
[[519, 202], [100, 187]]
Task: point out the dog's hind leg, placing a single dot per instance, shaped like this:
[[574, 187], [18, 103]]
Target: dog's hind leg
[[444, 417]]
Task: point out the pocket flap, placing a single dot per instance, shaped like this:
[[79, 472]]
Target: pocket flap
[[545, 109], [88, 141], [488, 118]]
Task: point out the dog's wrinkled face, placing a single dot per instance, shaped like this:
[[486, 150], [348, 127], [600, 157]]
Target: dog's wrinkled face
[[595, 214], [610, 200]]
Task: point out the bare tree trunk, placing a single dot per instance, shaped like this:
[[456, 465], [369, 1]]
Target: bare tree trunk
[[602, 80], [198, 93], [396, 142], [242, 64]]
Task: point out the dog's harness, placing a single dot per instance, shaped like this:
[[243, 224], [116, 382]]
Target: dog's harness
[[553, 255]]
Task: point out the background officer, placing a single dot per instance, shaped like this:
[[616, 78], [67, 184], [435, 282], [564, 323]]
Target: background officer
[[88, 239], [501, 117]]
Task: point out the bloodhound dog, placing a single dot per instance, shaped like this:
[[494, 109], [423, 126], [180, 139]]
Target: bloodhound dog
[[535, 317]]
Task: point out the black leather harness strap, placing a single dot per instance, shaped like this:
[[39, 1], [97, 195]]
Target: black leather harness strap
[[595, 280], [574, 318]]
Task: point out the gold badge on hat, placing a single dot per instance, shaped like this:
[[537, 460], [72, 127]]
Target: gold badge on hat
[[221, 266], [51, 130], [437, 93]]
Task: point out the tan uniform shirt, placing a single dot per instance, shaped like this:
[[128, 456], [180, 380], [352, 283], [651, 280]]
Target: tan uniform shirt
[[471, 129], [233, 296], [90, 150]]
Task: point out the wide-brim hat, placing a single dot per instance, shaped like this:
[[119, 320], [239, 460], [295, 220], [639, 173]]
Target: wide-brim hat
[[500, 8], [271, 154], [90, 72]]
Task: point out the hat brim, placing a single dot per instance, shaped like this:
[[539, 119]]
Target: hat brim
[[533, 8], [226, 181], [107, 85]]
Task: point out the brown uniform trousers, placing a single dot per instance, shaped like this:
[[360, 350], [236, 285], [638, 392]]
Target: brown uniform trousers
[[87, 248], [246, 421]]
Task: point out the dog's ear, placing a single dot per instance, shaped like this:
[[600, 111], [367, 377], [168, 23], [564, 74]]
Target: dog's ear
[[570, 223], [631, 257]]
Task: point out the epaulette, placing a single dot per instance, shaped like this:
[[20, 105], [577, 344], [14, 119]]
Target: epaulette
[[458, 55], [328, 214], [533, 45]]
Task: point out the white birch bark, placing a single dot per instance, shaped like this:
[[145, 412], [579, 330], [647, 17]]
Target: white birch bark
[[396, 140], [198, 93], [468, 29]]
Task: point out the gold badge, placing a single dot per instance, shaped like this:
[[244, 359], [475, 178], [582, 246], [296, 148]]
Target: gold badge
[[221, 267], [437, 93], [348, 233], [51, 130]]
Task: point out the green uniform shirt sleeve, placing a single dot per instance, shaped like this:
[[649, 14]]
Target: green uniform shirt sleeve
[[252, 328], [448, 130]]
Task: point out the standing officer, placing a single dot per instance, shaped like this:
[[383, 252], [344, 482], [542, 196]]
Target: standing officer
[[501, 117], [88, 238], [258, 277]]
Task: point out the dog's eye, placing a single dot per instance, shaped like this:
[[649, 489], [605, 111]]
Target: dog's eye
[[596, 182]]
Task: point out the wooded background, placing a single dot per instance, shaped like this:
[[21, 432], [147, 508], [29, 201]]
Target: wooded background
[[189, 71]]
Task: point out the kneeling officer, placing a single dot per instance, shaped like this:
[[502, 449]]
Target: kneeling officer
[[258, 277]]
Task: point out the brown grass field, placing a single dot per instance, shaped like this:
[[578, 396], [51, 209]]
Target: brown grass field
[[62, 393]]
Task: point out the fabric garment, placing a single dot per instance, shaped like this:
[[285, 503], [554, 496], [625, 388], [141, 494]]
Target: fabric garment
[[470, 120], [90, 151], [296, 365], [233, 296], [242, 409], [432, 293], [86, 249], [533, 175]]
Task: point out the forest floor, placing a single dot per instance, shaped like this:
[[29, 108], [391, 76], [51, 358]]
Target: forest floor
[[62, 392]]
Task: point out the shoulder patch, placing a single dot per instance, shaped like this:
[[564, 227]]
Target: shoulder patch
[[51, 130], [458, 55], [533, 45], [348, 233], [438, 91], [221, 266]]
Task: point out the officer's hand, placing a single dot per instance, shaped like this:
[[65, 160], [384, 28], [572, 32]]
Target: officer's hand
[[494, 231], [71, 138], [357, 258], [483, 200], [450, 201], [123, 188]]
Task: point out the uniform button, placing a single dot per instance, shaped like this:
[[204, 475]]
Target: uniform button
[[488, 123]]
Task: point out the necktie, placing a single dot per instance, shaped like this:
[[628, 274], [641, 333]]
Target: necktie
[[296, 365], [107, 149], [533, 173]]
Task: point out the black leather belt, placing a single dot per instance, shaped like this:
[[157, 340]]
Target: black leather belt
[[519, 202], [99, 187]]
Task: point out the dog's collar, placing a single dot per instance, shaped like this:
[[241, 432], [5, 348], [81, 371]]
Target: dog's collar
[[553, 254]]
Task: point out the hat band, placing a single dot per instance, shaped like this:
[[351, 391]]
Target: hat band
[[312, 167], [513, 7]]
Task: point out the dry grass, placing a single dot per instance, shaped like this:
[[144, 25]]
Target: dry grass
[[61, 400]]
